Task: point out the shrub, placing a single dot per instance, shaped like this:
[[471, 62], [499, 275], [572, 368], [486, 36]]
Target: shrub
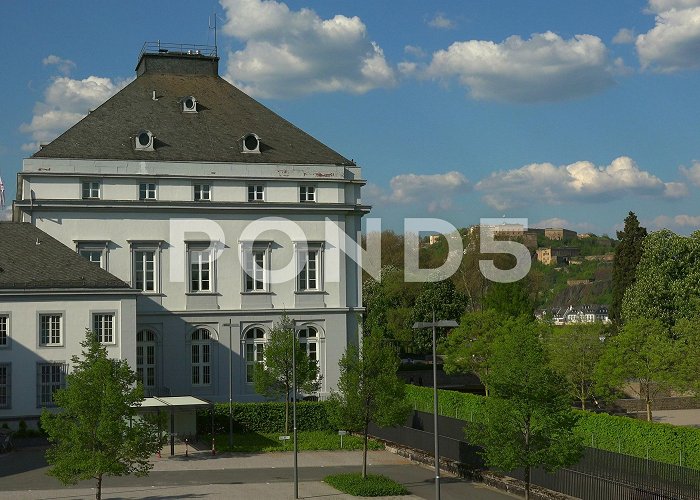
[[660, 442], [371, 486], [265, 417]]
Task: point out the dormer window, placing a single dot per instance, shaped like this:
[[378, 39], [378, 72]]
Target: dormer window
[[144, 141], [189, 105], [251, 143]]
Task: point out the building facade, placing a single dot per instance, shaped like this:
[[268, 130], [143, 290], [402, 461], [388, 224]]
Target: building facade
[[49, 296], [216, 211]]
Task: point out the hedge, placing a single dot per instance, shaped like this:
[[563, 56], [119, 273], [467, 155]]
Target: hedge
[[265, 417], [660, 442]]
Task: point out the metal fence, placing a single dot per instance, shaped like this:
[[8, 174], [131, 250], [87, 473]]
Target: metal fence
[[599, 474]]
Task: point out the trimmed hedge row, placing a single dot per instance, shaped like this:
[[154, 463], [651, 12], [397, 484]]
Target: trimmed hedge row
[[660, 442], [265, 417]]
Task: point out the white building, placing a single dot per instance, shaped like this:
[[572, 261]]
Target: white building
[[49, 296], [149, 182]]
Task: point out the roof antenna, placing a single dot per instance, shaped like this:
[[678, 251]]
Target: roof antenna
[[216, 46]]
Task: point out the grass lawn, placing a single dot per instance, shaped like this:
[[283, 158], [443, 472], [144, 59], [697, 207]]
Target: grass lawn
[[372, 486], [308, 441]]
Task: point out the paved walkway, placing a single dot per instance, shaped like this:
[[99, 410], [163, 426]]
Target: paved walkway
[[237, 476]]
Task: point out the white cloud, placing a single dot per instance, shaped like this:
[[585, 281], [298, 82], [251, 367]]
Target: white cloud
[[6, 212], [289, 53], [65, 66], [544, 67], [681, 221], [434, 191], [552, 222], [414, 51], [66, 101], [577, 182], [624, 36], [441, 21], [692, 173], [674, 41]]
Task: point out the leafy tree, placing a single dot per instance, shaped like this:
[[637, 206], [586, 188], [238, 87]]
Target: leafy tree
[[369, 389], [445, 301], [667, 285], [510, 299], [643, 353], [528, 418], [687, 333], [94, 433], [627, 256], [273, 377], [469, 347], [574, 352]]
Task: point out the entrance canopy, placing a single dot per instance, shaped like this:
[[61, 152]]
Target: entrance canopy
[[172, 403]]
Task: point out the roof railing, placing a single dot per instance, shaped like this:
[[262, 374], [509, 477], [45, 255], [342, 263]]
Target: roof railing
[[159, 47]]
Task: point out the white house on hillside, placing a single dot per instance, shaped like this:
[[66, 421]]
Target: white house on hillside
[[175, 167]]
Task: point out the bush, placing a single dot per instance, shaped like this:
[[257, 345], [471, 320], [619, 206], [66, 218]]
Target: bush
[[371, 486], [663, 442], [266, 417], [252, 442]]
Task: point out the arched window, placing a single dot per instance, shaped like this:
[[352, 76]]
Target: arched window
[[201, 357], [308, 338], [254, 348], [146, 358]]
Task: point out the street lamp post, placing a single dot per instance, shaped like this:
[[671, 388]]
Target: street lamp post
[[294, 411], [230, 383], [434, 325]]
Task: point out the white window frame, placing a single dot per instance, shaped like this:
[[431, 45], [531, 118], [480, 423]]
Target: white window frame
[[147, 339], [254, 340], [256, 193], [5, 330], [200, 258], [148, 190], [307, 344], [255, 276], [102, 323], [91, 190], [201, 358], [140, 257], [307, 193], [46, 389], [307, 275], [48, 338], [199, 191], [6, 386]]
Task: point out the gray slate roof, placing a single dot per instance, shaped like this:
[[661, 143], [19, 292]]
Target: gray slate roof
[[50, 264], [213, 134]]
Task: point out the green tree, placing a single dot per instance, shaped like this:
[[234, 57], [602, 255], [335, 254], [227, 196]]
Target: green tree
[[528, 420], [273, 378], [369, 389], [687, 333], [667, 285], [469, 347], [574, 352], [510, 299], [644, 357], [627, 255], [442, 298], [95, 432]]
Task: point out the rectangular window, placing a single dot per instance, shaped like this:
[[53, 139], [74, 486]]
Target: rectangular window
[[5, 385], [202, 192], [103, 326], [91, 190], [307, 193], [253, 356], [145, 270], [4, 331], [147, 191], [201, 271], [50, 329], [255, 270], [309, 276], [94, 256], [50, 378], [256, 193]]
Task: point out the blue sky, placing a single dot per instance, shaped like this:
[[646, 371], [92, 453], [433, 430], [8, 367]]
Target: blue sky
[[565, 112]]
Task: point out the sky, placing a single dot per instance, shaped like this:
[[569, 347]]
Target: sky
[[563, 112]]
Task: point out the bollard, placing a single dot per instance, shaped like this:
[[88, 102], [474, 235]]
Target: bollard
[[186, 448], [213, 446]]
